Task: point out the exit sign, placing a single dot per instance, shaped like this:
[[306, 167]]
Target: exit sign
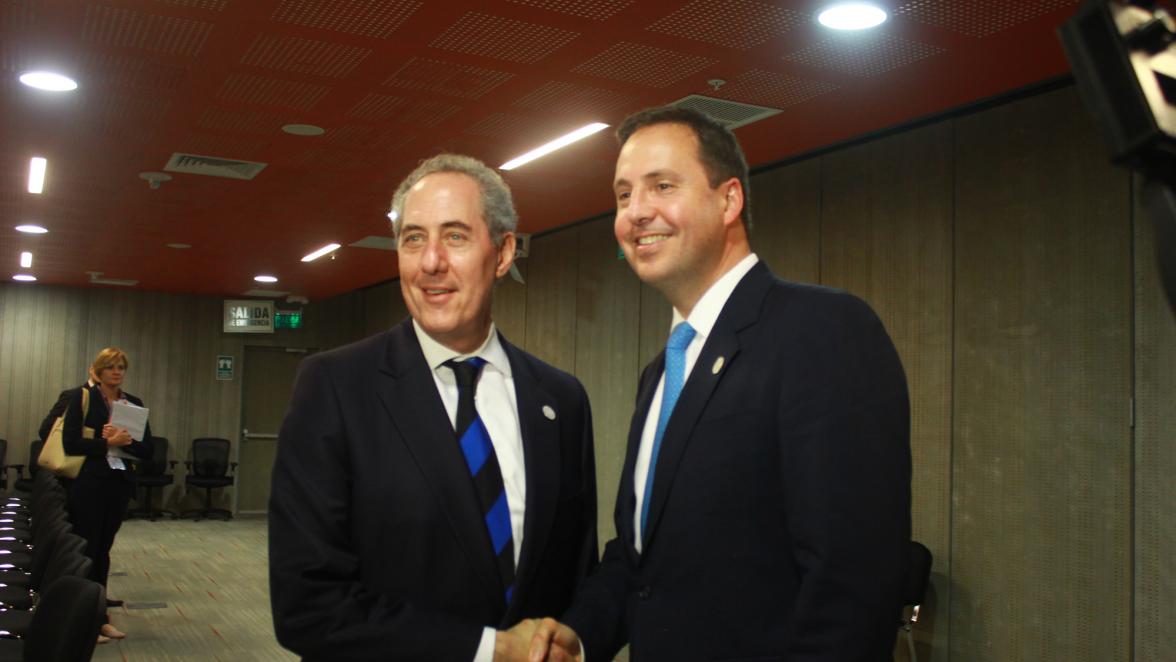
[[288, 319]]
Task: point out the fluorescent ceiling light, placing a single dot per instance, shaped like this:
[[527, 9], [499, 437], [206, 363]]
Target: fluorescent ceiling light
[[392, 216], [37, 174], [852, 16], [320, 252], [26, 260], [29, 228], [562, 141], [304, 130], [25, 278], [48, 81], [265, 279]]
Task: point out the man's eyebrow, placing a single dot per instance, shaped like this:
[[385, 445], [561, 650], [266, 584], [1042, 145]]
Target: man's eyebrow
[[446, 225]]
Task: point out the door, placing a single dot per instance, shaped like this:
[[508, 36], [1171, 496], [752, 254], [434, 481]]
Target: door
[[268, 379]]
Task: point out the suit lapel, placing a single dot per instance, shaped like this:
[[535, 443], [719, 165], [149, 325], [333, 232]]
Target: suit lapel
[[626, 497], [408, 393], [721, 351], [541, 453]]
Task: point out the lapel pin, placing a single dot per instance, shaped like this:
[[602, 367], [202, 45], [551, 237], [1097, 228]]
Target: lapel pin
[[549, 412], [717, 366]]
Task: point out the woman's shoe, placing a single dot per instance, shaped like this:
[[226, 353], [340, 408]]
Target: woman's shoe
[[109, 630], [103, 639]]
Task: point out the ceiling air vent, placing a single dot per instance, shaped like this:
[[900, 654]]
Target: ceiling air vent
[[373, 241], [97, 279], [730, 113], [195, 164]]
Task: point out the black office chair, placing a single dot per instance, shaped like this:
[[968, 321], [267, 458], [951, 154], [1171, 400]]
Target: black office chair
[[150, 475], [209, 468], [22, 483], [65, 626], [918, 575]]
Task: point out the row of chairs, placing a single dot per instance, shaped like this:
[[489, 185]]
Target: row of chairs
[[208, 468], [49, 611]]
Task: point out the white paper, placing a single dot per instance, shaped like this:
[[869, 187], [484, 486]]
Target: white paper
[[130, 417]]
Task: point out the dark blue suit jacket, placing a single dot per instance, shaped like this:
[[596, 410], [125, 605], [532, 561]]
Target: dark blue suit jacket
[[780, 510], [378, 550]]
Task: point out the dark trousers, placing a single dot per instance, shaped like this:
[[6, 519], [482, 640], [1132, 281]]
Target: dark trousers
[[96, 506]]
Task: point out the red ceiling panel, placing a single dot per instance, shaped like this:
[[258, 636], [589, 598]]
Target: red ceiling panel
[[395, 81]]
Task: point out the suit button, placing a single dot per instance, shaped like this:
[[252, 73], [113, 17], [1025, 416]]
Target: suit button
[[645, 592]]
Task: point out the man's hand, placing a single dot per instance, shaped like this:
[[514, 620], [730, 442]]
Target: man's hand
[[555, 642], [511, 645]]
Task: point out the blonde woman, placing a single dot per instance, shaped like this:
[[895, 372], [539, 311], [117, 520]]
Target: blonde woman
[[98, 496]]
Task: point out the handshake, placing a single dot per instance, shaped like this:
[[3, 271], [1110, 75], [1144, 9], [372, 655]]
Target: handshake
[[538, 640]]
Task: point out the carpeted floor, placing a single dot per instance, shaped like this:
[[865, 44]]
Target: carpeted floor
[[193, 591]]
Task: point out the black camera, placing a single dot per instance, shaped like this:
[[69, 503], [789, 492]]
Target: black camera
[[1123, 57]]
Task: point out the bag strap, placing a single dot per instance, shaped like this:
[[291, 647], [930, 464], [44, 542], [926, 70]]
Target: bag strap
[[86, 412]]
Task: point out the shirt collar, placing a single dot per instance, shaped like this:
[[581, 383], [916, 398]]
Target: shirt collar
[[706, 311], [437, 354]]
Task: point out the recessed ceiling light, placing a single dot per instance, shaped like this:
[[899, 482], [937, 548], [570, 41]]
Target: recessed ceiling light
[[48, 81], [562, 141], [852, 16], [26, 260], [265, 279], [304, 130], [29, 228], [37, 166], [178, 245], [320, 252], [24, 278]]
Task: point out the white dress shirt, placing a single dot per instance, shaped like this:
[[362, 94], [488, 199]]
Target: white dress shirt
[[494, 398], [702, 319]]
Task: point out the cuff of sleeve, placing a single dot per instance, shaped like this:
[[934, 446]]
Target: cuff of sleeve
[[486, 646]]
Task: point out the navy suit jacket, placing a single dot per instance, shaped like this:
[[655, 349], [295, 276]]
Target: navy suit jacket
[[780, 510], [378, 549]]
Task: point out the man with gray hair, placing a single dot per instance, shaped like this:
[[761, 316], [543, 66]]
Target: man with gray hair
[[433, 483]]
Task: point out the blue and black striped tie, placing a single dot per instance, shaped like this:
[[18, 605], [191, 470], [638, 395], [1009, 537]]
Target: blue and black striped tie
[[483, 465]]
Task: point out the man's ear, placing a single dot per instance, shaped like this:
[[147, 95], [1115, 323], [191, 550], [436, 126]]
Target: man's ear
[[733, 201], [506, 254]]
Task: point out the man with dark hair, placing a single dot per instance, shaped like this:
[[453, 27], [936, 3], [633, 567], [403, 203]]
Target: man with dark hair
[[764, 505], [433, 483]]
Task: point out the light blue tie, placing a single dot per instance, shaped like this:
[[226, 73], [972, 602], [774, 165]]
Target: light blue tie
[[675, 374]]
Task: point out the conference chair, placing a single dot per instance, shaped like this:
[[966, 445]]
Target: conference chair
[[153, 474], [64, 556], [22, 483], [209, 468], [20, 555], [65, 626], [918, 575]]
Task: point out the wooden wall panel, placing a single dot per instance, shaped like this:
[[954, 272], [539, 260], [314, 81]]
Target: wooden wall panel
[[656, 316], [1155, 454], [50, 335], [40, 332], [551, 298], [886, 237], [608, 297], [786, 220], [510, 306], [1041, 543], [383, 307]]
